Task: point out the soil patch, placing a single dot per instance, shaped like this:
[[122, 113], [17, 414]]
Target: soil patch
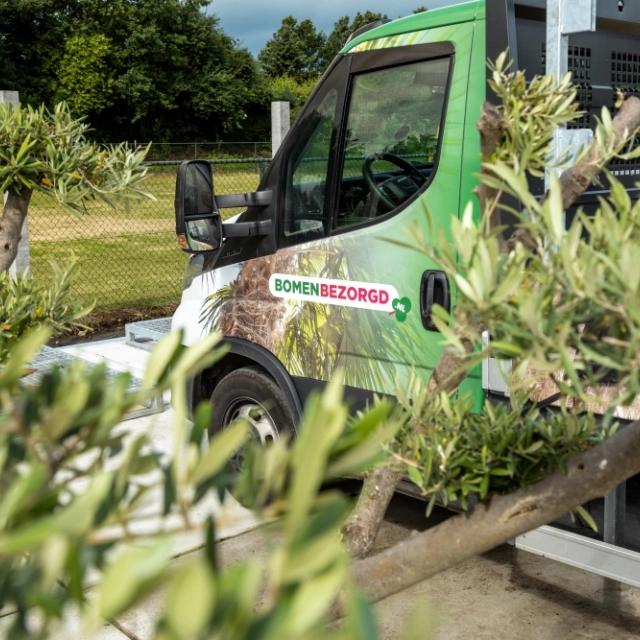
[[109, 323]]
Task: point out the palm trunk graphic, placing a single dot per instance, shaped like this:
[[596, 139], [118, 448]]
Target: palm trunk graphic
[[245, 308], [312, 339]]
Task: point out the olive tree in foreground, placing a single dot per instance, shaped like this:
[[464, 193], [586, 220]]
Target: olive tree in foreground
[[82, 498], [48, 152], [563, 304]]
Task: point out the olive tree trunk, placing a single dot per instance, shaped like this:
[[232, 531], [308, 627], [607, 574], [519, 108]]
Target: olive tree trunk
[[489, 524], [13, 216]]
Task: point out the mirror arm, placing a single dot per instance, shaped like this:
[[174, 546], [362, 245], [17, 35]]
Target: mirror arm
[[251, 199], [245, 229]]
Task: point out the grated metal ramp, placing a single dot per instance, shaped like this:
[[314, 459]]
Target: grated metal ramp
[[48, 357], [147, 333]]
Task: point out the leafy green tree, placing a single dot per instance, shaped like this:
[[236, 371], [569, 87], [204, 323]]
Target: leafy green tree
[[26, 303], [336, 39], [420, 9], [8, 71], [32, 37], [150, 69], [86, 83], [295, 93], [176, 73], [342, 29], [294, 51]]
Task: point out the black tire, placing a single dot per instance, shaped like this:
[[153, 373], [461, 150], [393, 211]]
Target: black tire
[[251, 393]]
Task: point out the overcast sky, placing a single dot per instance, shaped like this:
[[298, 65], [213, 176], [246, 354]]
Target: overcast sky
[[253, 22]]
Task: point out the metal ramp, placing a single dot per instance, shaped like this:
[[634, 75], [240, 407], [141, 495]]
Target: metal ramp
[[147, 333], [48, 357]]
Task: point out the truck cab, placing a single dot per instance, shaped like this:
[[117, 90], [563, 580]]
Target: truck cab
[[317, 274], [324, 284]]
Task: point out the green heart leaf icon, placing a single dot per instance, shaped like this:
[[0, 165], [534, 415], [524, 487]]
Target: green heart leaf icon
[[401, 306]]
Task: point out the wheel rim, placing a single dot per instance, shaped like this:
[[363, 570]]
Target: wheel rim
[[263, 428]]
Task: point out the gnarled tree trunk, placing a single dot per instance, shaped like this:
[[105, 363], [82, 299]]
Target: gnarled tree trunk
[[13, 216], [590, 475], [361, 529]]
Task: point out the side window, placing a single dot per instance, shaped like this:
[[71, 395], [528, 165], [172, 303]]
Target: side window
[[306, 202], [393, 128]]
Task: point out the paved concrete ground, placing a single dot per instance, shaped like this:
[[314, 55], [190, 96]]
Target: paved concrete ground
[[510, 594], [505, 594]]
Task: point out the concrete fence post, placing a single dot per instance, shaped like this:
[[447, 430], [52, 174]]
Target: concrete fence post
[[22, 263], [280, 124]]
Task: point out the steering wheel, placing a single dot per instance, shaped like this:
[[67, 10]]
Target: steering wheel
[[395, 190]]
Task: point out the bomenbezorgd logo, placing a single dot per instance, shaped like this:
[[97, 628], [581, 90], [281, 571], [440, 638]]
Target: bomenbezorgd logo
[[346, 293]]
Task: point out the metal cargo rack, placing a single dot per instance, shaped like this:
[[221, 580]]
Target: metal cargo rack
[[49, 357], [147, 333], [598, 41]]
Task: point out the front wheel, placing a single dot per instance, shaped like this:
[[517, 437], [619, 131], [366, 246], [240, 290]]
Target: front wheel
[[251, 394]]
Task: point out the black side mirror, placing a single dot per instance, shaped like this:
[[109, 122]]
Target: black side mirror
[[198, 222]]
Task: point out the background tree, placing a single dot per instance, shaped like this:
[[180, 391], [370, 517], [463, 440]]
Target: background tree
[[295, 93], [85, 81], [281, 58], [176, 73], [146, 70], [293, 51], [420, 9], [342, 29], [32, 37], [160, 70]]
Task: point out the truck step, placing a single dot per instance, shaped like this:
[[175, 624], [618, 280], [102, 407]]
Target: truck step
[[598, 557], [147, 333], [49, 357]]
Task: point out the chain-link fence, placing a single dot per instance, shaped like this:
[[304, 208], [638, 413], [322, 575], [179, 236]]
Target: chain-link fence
[[128, 258], [218, 150]]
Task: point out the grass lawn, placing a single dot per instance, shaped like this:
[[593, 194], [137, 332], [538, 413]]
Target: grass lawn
[[125, 258]]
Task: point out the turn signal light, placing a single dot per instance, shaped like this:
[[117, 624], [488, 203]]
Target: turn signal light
[[182, 241]]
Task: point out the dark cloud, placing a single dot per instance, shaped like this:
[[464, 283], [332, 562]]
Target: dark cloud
[[254, 22]]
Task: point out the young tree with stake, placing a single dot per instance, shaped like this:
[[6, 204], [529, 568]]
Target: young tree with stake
[[48, 152]]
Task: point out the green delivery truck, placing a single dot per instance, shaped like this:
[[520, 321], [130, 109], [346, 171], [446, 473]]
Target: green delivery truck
[[310, 278]]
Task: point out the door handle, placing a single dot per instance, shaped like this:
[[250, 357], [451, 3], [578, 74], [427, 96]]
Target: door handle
[[434, 289]]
